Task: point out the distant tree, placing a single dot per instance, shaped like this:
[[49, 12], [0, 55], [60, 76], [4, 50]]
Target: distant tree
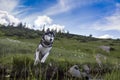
[[90, 36], [20, 25], [43, 29], [59, 31], [118, 39], [24, 25], [0, 25], [10, 25], [33, 26], [68, 32], [55, 30]]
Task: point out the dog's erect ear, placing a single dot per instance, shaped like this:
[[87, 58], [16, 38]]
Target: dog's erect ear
[[48, 30], [54, 32]]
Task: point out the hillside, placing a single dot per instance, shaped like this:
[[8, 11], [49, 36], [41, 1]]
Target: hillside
[[18, 44]]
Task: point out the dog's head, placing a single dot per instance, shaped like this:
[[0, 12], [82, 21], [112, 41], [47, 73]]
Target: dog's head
[[49, 36]]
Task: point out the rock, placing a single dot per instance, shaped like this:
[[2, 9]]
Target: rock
[[105, 48], [86, 69], [100, 59], [74, 71], [85, 76]]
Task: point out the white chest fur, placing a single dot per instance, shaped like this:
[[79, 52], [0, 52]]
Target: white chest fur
[[44, 50], [41, 50]]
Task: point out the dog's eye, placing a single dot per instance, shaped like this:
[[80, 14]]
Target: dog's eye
[[76, 68], [49, 35]]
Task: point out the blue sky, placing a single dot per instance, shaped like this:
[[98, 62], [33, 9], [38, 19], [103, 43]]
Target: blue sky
[[101, 18]]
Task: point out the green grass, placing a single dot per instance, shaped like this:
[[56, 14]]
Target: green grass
[[65, 52], [114, 75]]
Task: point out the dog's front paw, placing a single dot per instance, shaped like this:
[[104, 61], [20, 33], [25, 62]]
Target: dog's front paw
[[42, 61], [36, 62]]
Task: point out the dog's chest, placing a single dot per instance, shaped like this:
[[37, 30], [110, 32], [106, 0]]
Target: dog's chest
[[44, 50]]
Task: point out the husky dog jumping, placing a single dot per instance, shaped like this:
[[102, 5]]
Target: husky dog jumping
[[44, 47]]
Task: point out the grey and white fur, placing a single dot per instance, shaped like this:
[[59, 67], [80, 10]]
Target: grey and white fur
[[44, 47]]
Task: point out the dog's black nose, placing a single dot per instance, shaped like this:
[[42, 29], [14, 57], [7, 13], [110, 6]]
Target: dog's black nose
[[50, 39]]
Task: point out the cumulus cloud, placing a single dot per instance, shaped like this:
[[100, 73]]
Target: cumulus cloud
[[6, 19], [106, 36], [39, 23], [61, 6], [42, 20], [46, 22], [111, 22]]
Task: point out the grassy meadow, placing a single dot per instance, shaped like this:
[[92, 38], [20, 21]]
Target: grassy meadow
[[17, 50], [19, 53]]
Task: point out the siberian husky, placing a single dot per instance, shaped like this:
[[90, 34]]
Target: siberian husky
[[44, 47]]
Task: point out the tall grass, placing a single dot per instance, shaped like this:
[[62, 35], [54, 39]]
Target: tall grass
[[11, 46], [114, 75], [18, 57]]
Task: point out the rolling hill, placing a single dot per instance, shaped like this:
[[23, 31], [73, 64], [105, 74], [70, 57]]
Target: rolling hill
[[18, 44]]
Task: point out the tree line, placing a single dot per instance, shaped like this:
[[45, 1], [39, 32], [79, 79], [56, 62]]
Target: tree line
[[21, 31]]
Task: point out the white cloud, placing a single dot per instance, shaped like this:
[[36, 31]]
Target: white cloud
[[111, 22], [60, 7], [66, 5], [9, 5], [46, 22], [106, 36], [6, 18], [14, 7], [42, 20], [29, 26]]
